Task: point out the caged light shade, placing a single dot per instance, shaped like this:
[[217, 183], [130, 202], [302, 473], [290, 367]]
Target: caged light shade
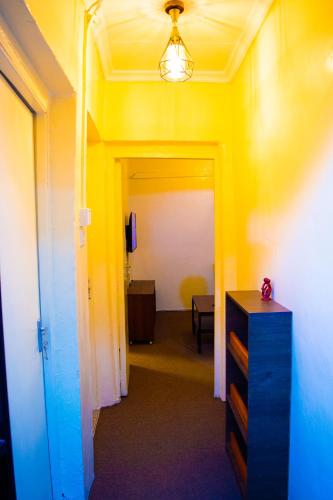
[[176, 64]]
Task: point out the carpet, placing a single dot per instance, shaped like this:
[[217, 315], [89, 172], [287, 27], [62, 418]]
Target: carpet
[[166, 439]]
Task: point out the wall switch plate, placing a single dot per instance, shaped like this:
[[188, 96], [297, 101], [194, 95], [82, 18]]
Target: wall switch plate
[[85, 217]]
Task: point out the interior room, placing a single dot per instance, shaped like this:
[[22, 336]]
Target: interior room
[[235, 100], [173, 201], [174, 204]]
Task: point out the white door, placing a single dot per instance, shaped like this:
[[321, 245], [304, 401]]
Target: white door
[[20, 298]]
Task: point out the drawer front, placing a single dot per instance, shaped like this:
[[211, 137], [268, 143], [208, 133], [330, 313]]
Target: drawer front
[[141, 317]]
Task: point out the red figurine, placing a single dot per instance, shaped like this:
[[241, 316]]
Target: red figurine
[[266, 290]]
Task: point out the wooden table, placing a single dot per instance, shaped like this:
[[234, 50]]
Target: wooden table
[[203, 305]]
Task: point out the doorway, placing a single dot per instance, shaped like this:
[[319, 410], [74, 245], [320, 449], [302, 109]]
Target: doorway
[[173, 200], [20, 298], [106, 251], [214, 152]]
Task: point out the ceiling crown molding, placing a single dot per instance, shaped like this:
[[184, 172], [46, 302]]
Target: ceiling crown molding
[[241, 46], [254, 21]]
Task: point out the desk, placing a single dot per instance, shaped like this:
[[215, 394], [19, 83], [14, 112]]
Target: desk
[[203, 305]]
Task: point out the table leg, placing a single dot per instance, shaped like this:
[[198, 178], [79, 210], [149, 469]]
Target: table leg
[[199, 333], [193, 323]]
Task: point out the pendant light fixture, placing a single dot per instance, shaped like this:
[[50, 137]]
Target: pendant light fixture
[[176, 64]]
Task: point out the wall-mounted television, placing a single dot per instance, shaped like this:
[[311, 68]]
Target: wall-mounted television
[[131, 241]]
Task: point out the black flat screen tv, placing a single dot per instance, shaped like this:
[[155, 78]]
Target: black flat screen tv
[[131, 241]]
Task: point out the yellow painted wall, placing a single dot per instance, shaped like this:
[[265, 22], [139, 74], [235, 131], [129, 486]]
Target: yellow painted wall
[[95, 83], [124, 343], [160, 111], [102, 265], [283, 157], [61, 23], [106, 271]]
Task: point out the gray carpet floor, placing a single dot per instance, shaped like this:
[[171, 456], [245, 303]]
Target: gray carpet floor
[[166, 439]]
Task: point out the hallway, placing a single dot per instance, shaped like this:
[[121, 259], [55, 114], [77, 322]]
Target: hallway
[[166, 439]]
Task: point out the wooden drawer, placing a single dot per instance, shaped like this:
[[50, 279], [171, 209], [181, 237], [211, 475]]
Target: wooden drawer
[[141, 300]]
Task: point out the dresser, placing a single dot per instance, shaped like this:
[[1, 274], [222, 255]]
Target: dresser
[[141, 301]]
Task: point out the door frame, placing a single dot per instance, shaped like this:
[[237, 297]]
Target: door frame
[[225, 272]]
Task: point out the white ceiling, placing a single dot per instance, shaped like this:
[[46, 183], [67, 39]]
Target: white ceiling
[[132, 34]]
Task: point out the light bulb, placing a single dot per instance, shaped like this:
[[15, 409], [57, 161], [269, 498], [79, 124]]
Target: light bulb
[[176, 64]]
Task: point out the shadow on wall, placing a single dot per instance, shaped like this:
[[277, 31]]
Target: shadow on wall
[[192, 285]]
